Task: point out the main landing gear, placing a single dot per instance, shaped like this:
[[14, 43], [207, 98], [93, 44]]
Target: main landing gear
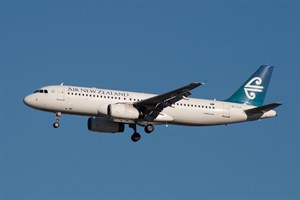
[[57, 118], [135, 136], [149, 128]]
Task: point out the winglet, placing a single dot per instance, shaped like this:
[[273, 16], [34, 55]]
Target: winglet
[[203, 83]]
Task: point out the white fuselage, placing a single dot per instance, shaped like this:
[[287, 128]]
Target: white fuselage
[[93, 102]]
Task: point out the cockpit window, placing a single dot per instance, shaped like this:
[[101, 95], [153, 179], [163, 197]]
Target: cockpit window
[[41, 91]]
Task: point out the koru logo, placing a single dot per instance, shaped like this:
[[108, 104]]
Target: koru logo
[[253, 86]]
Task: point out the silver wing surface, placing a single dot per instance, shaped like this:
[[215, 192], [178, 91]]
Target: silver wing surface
[[151, 107]]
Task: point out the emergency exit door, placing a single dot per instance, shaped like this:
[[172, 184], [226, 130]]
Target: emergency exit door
[[226, 110]]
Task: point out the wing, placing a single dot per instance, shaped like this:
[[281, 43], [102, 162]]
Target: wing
[[151, 107]]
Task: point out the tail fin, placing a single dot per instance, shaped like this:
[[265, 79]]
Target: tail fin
[[254, 90]]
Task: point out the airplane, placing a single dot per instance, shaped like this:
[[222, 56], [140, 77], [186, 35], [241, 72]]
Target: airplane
[[110, 110]]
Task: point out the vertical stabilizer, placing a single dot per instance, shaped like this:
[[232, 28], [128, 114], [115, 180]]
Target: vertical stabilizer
[[254, 90]]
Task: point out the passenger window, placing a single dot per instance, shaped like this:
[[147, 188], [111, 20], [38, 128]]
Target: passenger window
[[46, 91]]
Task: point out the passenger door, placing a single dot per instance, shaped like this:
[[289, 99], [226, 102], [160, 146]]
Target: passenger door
[[60, 93]]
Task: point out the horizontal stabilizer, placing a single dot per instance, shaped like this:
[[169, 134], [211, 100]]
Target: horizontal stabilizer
[[262, 109]]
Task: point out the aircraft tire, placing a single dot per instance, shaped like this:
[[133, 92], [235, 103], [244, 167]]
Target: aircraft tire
[[149, 128], [135, 137], [56, 125]]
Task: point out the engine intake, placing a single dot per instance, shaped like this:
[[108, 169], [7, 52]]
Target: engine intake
[[104, 126]]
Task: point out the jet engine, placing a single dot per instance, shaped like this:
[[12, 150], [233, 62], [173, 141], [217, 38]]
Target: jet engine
[[123, 111], [104, 126]]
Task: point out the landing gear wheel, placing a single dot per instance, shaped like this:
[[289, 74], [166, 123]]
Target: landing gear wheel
[[149, 128], [57, 118], [56, 125], [135, 137]]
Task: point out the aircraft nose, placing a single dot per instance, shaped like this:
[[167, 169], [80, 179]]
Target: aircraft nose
[[28, 100]]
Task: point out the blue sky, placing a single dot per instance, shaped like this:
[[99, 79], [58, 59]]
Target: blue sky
[[149, 46]]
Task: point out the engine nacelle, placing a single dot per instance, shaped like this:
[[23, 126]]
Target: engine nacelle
[[104, 126], [102, 109], [123, 111]]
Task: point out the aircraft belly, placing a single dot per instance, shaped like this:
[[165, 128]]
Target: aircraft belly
[[188, 116]]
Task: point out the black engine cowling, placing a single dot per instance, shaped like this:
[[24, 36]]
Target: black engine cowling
[[104, 126]]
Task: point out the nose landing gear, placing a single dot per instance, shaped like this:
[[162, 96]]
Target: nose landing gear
[[57, 118]]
